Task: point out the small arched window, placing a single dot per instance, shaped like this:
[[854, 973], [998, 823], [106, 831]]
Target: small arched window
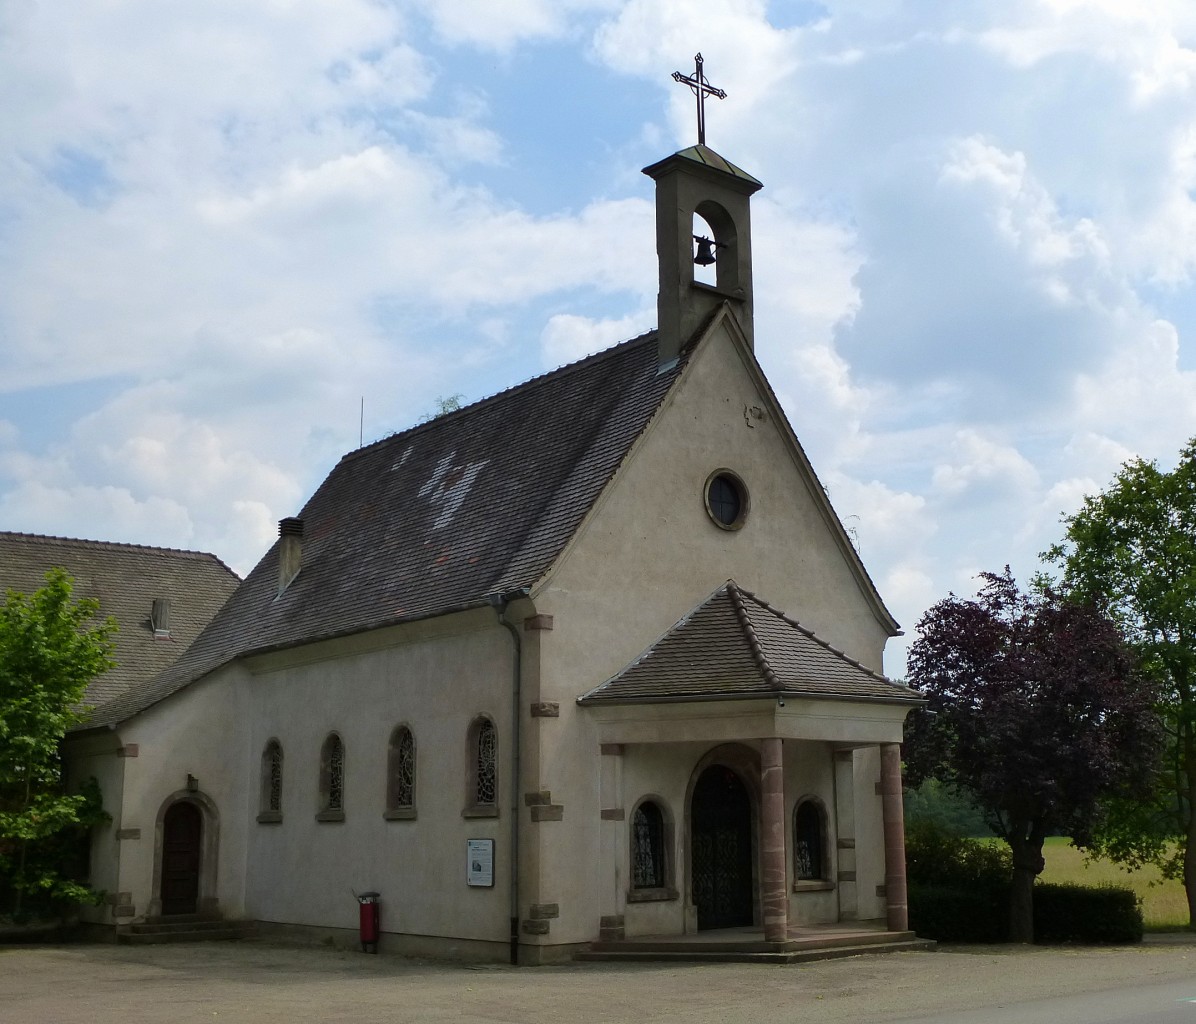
[[332, 780], [270, 798], [809, 842], [400, 774], [647, 847], [482, 750]]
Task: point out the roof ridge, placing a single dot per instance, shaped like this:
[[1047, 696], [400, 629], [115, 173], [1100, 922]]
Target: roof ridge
[[525, 385], [822, 643], [88, 542], [757, 651]]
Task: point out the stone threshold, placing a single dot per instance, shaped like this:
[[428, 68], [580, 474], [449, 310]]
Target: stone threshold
[[747, 945]]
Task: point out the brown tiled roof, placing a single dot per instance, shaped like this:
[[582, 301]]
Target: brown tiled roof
[[126, 579], [438, 518], [733, 645]]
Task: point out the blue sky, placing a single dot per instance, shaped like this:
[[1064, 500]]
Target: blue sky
[[222, 229]]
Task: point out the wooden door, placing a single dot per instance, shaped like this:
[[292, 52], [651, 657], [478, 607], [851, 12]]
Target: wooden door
[[182, 836]]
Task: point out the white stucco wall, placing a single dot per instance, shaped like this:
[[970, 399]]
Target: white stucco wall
[[648, 555], [95, 755], [436, 678], [200, 732]]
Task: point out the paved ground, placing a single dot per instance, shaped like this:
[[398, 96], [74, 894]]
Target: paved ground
[[262, 982]]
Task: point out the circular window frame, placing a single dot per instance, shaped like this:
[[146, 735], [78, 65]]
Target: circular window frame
[[745, 505]]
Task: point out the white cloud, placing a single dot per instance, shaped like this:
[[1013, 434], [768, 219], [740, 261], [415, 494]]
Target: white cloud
[[500, 27], [980, 463], [567, 338], [973, 252]]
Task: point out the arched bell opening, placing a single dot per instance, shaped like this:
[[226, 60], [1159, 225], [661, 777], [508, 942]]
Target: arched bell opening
[[705, 252], [718, 257]]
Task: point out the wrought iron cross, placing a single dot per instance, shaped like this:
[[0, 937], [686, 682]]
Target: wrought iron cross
[[701, 89]]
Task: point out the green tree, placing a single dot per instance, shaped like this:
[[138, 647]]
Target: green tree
[[50, 649], [936, 806], [1035, 710], [1132, 550]]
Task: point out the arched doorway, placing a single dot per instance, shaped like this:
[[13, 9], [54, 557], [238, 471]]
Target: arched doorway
[[182, 846], [721, 849]]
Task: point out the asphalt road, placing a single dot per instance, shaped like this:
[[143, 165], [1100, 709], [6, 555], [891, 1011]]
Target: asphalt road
[[1162, 1003], [263, 983]]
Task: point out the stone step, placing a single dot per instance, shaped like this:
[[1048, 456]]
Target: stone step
[[146, 933], [170, 925], [709, 955], [732, 944]]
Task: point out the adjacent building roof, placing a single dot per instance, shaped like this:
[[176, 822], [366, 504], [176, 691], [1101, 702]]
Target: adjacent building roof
[[733, 646], [476, 503], [126, 579]]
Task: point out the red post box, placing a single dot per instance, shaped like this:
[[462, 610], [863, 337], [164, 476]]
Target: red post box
[[368, 920]]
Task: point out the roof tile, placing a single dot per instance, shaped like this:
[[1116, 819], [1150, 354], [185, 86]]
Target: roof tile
[[125, 579], [441, 516], [735, 645]]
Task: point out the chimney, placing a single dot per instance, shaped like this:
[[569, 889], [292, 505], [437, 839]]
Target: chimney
[[160, 618], [290, 550]]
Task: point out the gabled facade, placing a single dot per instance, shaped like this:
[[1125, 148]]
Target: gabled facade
[[495, 669]]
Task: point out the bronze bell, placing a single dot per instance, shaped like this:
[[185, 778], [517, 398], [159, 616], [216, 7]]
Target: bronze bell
[[705, 254]]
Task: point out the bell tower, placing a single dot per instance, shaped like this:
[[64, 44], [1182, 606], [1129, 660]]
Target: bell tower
[[698, 182]]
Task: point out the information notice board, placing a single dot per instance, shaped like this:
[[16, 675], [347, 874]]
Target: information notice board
[[479, 862]]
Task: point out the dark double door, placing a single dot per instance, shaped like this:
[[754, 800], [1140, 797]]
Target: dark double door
[[182, 838], [721, 849]]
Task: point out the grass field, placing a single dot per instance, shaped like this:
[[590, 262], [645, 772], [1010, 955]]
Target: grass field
[[1163, 904]]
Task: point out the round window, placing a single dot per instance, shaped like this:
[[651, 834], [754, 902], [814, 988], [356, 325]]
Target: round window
[[726, 499]]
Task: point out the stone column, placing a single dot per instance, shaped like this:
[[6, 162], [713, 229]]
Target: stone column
[[613, 836], [774, 897], [894, 824], [845, 834]]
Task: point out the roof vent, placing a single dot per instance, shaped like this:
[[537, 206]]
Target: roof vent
[[160, 618], [290, 550]]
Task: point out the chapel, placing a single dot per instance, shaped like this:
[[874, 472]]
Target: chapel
[[587, 664]]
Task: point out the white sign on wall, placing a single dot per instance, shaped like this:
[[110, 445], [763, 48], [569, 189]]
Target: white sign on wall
[[479, 862]]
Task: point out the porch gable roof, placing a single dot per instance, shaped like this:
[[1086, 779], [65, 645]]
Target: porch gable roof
[[734, 645]]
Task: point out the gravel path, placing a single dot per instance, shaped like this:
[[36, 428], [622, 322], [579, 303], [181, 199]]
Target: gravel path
[[262, 982]]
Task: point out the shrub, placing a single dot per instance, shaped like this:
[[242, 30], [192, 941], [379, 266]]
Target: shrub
[[959, 892], [935, 857], [957, 914], [1085, 913]]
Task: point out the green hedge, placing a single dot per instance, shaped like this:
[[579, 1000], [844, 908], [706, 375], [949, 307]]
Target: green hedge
[[954, 914], [1085, 913], [959, 892]]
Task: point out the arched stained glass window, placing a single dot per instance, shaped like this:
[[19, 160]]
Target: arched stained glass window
[[400, 776], [647, 847], [486, 764], [332, 779], [808, 842], [270, 799]]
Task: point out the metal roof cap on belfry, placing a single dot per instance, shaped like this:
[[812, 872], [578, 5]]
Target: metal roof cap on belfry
[[735, 646], [706, 157]]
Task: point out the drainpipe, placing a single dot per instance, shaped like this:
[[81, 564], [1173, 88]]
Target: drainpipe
[[500, 603]]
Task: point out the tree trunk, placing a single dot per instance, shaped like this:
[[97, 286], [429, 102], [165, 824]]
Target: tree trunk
[[1190, 850], [1026, 845]]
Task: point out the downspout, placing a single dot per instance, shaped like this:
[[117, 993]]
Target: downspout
[[500, 603]]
